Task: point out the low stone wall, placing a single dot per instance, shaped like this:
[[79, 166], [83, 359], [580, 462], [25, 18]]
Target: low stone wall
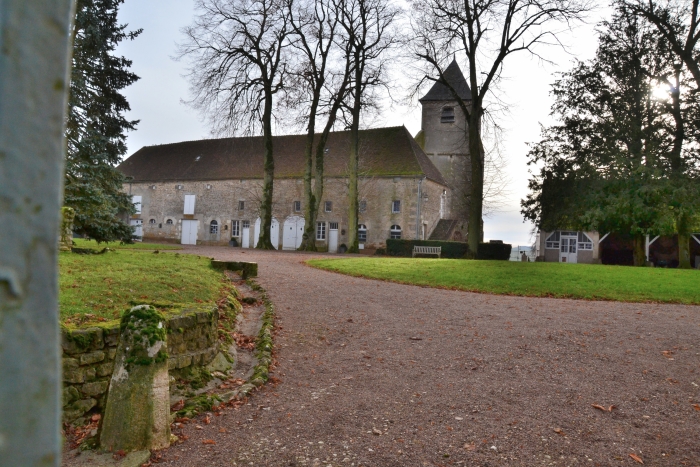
[[88, 357]]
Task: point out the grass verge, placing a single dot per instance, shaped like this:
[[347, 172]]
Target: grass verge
[[582, 281], [97, 288], [83, 243]]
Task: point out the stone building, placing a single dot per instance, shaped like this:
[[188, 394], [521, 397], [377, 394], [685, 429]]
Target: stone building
[[209, 191]]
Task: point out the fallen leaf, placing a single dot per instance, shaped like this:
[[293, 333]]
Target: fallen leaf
[[207, 420], [222, 430], [469, 446], [637, 458], [696, 407], [199, 427], [208, 441], [416, 338], [376, 431], [559, 431], [600, 407]]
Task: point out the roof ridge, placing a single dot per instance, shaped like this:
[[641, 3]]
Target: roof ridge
[[260, 136]]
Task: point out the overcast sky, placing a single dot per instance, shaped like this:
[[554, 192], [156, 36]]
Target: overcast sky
[[156, 99]]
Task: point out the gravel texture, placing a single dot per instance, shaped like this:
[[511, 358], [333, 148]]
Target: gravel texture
[[381, 374]]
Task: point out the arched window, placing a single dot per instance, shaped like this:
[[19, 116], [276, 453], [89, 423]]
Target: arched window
[[447, 115], [169, 222], [214, 227], [362, 233], [395, 232], [152, 221]]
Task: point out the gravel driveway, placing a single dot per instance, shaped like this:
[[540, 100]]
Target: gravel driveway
[[380, 374]]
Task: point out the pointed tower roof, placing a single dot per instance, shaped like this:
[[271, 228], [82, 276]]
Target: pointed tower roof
[[440, 92]]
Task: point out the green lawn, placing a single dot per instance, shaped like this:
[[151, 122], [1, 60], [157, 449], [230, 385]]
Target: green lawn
[[586, 281], [82, 243], [96, 288]]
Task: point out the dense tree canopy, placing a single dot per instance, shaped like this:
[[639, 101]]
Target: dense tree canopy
[[96, 127], [623, 157]]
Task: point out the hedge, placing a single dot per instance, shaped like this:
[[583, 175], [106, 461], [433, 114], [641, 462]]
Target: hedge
[[405, 247], [499, 251]]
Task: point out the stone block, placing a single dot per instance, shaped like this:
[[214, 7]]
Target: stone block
[[81, 340], [182, 348], [190, 333], [70, 395], [174, 338], [105, 369], [90, 374], [196, 359], [172, 363], [191, 345], [111, 337], [74, 375], [184, 361], [203, 317], [219, 363], [111, 353], [202, 343], [92, 357], [77, 409], [94, 389], [209, 355], [69, 363]]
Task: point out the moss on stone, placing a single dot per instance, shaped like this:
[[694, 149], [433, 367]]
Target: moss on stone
[[147, 327]]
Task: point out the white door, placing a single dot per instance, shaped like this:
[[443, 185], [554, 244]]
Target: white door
[[189, 232], [245, 235], [567, 253], [138, 231], [274, 233], [332, 237], [292, 232]]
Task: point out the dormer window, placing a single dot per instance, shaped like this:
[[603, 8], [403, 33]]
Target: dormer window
[[448, 115]]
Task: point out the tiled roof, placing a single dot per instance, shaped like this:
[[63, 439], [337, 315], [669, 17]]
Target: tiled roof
[[388, 152], [454, 76]]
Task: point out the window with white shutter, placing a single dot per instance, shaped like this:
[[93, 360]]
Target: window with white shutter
[[189, 204]]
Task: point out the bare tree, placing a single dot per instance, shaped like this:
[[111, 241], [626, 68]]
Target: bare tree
[[320, 78], [238, 65], [679, 24], [486, 32], [368, 27]]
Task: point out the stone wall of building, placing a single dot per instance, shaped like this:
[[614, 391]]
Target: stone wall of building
[[88, 357], [162, 210]]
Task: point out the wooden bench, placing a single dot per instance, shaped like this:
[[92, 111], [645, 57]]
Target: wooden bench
[[426, 250]]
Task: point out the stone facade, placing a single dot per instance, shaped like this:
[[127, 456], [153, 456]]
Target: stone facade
[[162, 209], [553, 254], [88, 357]]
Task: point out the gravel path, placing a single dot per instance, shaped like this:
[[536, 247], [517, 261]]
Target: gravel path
[[380, 374]]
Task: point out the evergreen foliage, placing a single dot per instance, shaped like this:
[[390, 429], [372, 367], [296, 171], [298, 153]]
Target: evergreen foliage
[[616, 161], [96, 127]]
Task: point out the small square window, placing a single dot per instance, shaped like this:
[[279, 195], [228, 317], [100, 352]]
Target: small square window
[[395, 206], [329, 206], [241, 205], [235, 228], [246, 224], [297, 206], [363, 205], [320, 231]]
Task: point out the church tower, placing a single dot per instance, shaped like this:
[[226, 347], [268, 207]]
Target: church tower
[[444, 138]]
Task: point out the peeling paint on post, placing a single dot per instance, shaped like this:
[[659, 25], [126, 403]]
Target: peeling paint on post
[[34, 47]]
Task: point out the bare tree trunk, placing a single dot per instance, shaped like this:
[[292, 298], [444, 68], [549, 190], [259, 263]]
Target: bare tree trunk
[[308, 242], [476, 191], [353, 209], [639, 253], [265, 242]]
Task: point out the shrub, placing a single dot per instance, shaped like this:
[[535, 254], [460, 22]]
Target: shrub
[[405, 247], [500, 251]]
